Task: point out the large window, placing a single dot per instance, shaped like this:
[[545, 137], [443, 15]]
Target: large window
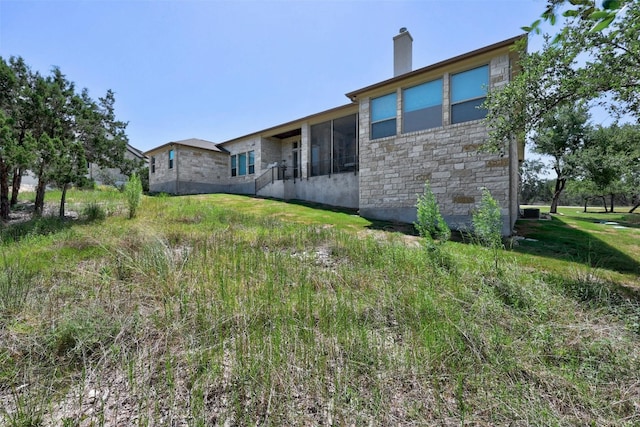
[[345, 144], [383, 116], [334, 146], [252, 162], [422, 106], [243, 164], [170, 159], [321, 149], [468, 92]]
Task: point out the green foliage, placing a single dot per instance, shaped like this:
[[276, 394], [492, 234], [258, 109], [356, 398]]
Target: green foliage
[[223, 308], [559, 74], [94, 212], [46, 126], [16, 281], [534, 188], [487, 221], [596, 19], [143, 173], [133, 194], [430, 223]]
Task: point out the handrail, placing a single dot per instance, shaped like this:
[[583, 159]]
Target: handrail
[[268, 177]]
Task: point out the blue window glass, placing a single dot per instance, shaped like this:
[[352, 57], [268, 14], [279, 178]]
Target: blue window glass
[[422, 106], [383, 108], [470, 84], [242, 164], [383, 116], [170, 159], [468, 92]]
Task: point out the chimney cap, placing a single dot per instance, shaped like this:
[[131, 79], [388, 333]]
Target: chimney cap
[[403, 30]]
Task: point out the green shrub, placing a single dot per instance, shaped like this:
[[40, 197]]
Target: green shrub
[[94, 212], [430, 223], [133, 194], [487, 221]]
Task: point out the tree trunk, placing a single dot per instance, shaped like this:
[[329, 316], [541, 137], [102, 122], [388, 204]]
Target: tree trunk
[[604, 203], [40, 189], [586, 201], [635, 207], [560, 183], [63, 199], [15, 186], [611, 202], [4, 191]]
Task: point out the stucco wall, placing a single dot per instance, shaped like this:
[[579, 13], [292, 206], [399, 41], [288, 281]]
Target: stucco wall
[[335, 190]]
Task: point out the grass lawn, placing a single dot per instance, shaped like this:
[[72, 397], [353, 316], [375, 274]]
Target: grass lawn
[[230, 310], [606, 243]]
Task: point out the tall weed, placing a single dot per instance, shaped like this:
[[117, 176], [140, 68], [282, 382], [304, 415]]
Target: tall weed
[[133, 194], [16, 280]]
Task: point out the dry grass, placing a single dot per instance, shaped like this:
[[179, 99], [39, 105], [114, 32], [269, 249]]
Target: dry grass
[[199, 314]]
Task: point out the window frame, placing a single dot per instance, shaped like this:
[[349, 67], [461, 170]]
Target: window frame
[[234, 165], [243, 163], [440, 91], [386, 119], [171, 158], [473, 99], [327, 155], [251, 162]]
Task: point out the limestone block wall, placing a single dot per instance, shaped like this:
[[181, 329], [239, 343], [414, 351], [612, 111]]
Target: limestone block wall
[[242, 146], [163, 179], [198, 170], [270, 152], [393, 170], [194, 171]]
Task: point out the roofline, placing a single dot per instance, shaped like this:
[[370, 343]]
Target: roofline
[[511, 41], [290, 123], [215, 147], [133, 150]]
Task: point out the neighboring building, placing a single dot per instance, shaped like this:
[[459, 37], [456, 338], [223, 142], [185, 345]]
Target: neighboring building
[[114, 176], [188, 167], [375, 153]]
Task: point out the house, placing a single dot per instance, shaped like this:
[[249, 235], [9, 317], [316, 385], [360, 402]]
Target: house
[[374, 153], [114, 176], [190, 166]]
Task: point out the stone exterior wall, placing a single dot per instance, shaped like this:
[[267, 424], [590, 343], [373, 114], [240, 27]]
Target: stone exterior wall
[[270, 152], [163, 179], [393, 170], [194, 171], [243, 146]]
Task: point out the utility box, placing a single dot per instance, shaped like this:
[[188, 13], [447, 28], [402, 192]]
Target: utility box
[[531, 213]]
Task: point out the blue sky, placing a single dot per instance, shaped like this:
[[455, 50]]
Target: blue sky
[[217, 70]]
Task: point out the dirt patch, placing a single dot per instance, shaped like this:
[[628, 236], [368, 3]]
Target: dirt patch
[[24, 210]]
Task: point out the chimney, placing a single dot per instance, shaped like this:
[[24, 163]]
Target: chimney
[[402, 52]]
